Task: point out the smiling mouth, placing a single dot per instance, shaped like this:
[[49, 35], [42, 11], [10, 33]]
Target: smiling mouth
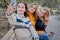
[[20, 10]]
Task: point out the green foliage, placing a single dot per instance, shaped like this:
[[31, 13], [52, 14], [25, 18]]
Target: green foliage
[[48, 3]]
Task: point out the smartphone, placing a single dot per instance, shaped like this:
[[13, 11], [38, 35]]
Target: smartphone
[[14, 4]]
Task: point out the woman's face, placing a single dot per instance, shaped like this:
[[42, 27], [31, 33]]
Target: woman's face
[[32, 8], [21, 8], [40, 12]]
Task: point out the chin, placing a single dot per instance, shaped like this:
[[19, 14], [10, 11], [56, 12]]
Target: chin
[[21, 12], [32, 12]]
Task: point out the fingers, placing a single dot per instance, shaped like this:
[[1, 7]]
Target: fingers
[[10, 5], [11, 8]]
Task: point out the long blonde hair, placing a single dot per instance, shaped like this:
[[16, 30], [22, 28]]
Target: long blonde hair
[[42, 8]]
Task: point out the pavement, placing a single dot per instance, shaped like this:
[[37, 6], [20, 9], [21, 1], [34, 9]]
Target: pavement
[[54, 26]]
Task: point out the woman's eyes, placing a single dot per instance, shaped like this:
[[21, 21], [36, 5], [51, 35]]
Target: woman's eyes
[[31, 6], [34, 8], [20, 7]]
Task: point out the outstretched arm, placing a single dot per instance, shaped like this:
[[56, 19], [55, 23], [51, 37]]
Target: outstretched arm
[[33, 31], [12, 20]]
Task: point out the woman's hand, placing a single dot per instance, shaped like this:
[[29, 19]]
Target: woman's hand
[[10, 10], [37, 38]]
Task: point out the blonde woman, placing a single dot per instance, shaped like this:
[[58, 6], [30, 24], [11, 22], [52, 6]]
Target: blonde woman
[[42, 18]]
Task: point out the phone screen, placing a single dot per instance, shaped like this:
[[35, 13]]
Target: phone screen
[[13, 3]]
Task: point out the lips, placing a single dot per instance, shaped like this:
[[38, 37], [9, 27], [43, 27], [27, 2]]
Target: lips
[[20, 10], [32, 10]]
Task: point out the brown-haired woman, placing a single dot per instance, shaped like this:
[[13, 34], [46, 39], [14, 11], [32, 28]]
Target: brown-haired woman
[[25, 29]]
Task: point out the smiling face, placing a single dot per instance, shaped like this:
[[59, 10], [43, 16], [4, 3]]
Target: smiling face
[[40, 12], [32, 8], [21, 8]]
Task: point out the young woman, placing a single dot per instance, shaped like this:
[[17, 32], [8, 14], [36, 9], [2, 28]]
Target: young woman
[[25, 30], [42, 16], [31, 12]]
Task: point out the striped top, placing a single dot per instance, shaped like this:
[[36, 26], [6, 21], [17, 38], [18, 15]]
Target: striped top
[[25, 20], [17, 19]]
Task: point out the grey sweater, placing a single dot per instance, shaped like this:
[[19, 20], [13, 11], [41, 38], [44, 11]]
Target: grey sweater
[[12, 20]]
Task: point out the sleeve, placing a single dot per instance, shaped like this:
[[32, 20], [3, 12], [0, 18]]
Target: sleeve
[[33, 31], [12, 20]]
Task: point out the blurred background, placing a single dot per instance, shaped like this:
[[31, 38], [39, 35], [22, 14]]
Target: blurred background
[[54, 18]]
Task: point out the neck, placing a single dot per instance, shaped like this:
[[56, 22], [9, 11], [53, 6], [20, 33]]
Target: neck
[[20, 14], [29, 13]]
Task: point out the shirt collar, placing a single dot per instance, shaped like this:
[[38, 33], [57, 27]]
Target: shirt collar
[[21, 15]]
